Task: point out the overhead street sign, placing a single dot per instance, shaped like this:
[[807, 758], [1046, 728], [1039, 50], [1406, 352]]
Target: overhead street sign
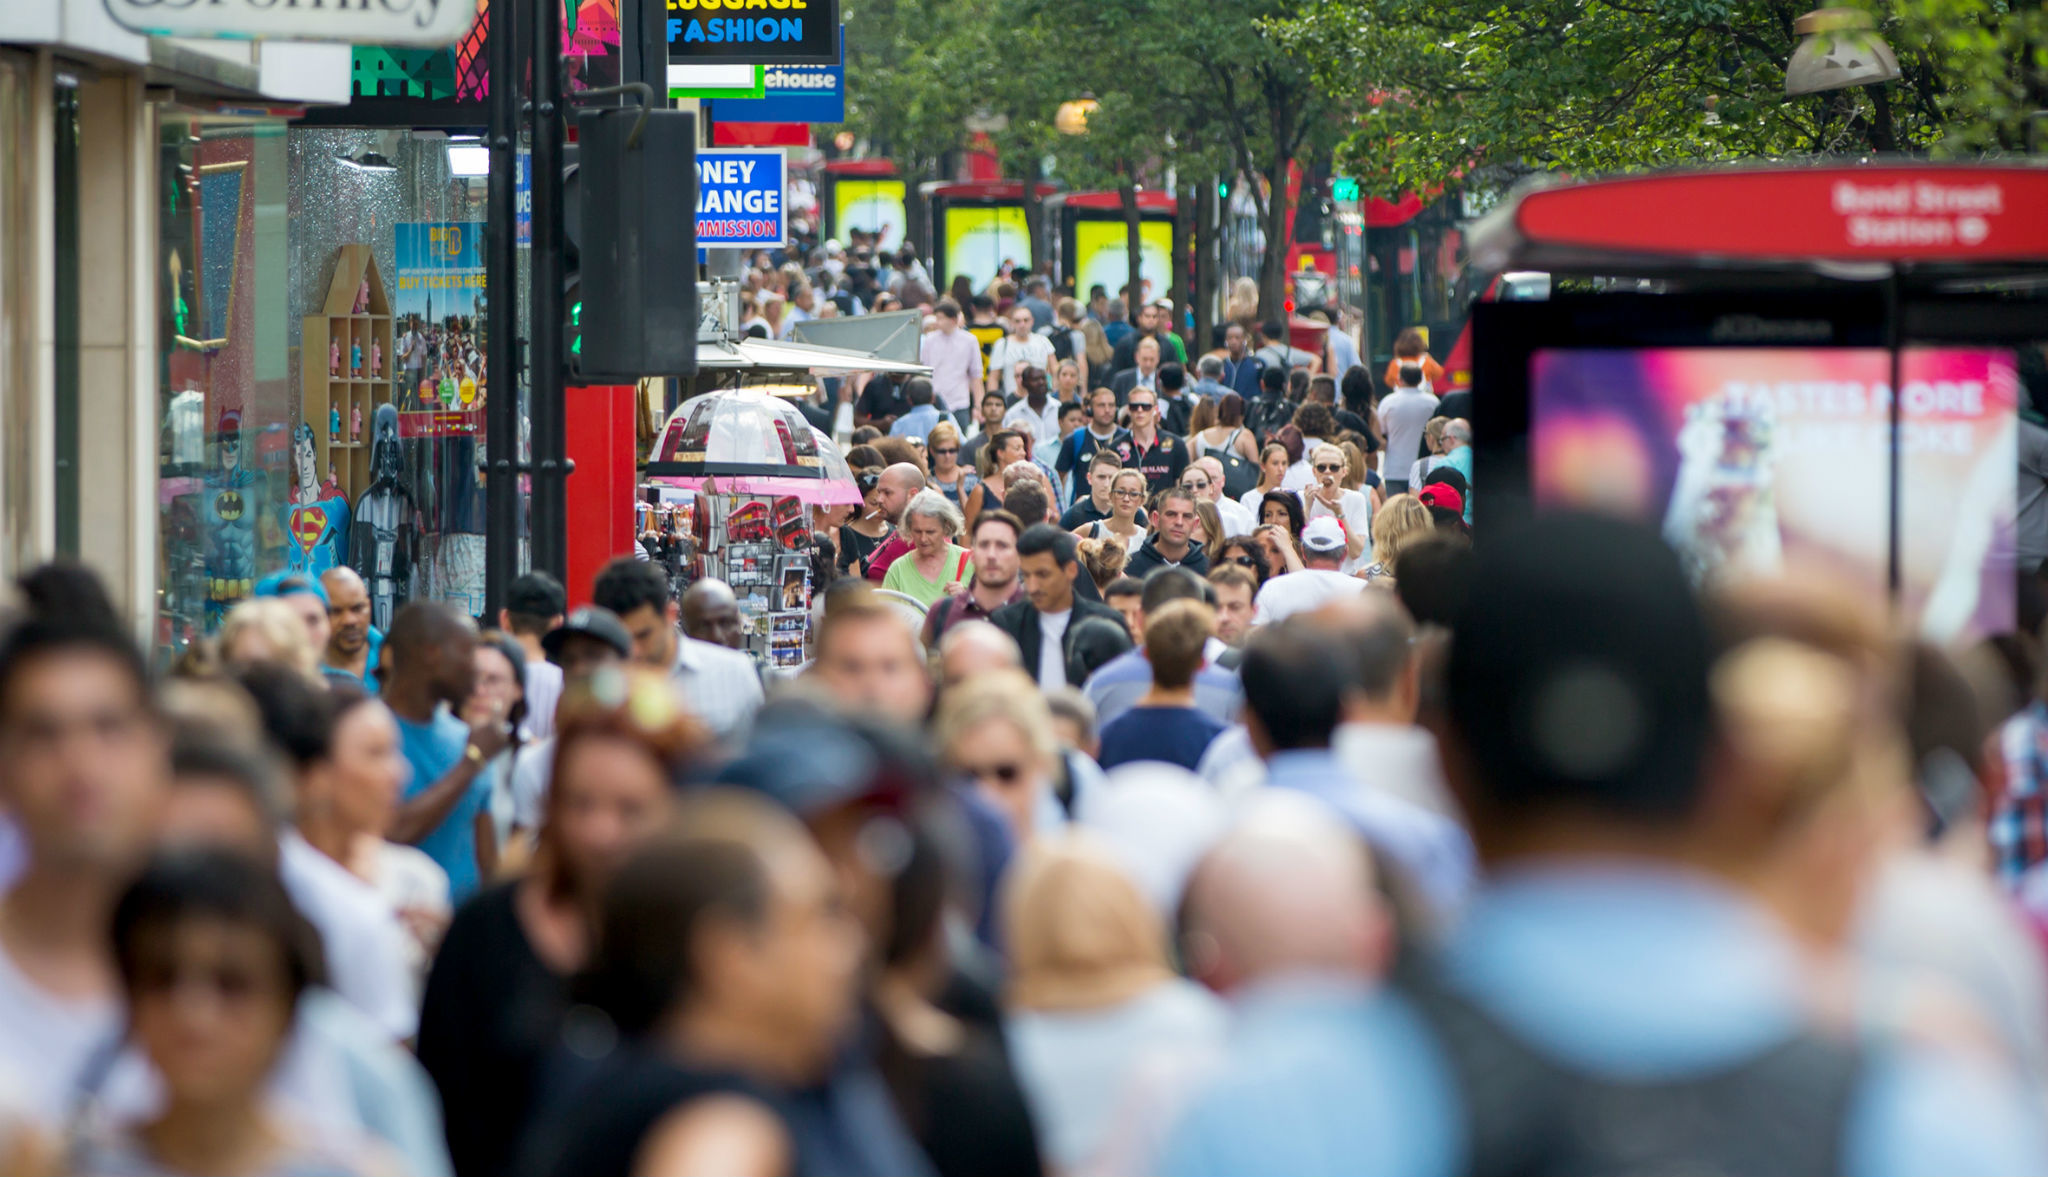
[[382, 22], [765, 32]]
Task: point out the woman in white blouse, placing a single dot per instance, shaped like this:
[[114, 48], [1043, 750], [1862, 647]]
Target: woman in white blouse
[[1126, 498]]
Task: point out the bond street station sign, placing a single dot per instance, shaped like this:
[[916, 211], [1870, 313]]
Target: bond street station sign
[[763, 32], [364, 22]]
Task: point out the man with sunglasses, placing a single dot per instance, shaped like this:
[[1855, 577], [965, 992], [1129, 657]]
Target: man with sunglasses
[[1159, 455]]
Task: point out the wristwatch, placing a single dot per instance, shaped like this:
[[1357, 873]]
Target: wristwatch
[[473, 754]]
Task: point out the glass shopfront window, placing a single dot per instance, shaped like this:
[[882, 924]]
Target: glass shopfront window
[[227, 406]]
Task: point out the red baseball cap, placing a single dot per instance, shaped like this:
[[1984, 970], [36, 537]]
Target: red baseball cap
[[1442, 494]]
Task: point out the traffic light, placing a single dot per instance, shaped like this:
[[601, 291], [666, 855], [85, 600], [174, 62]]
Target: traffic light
[[572, 253], [632, 309]]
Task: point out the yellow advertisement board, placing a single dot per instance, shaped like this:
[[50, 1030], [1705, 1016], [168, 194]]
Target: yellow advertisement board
[[1100, 258], [980, 240], [869, 206]]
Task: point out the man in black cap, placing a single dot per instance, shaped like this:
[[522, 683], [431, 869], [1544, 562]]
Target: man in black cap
[[591, 639], [1616, 999]]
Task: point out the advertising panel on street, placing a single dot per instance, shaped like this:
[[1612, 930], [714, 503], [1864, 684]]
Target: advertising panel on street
[[980, 240], [763, 32], [439, 319], [1765, 461], [1101, 256], [740, 200], [869, 206]]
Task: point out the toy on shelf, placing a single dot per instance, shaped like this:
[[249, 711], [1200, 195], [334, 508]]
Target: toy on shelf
[[334, 357], [355, 359], [355, 423], [376, 358], [363, 297], [333, 424]]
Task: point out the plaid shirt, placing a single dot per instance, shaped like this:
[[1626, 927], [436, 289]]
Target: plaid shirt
[[2019, 818]]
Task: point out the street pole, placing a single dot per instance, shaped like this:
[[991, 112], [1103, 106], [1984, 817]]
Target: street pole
[[549, 506], [501, 318]]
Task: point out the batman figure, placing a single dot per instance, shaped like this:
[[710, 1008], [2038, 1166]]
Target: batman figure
[[230, 491], [384, 535]]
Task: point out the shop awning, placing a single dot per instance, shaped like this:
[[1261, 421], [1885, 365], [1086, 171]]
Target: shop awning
[[891, 335], [775, 355], [1856, 221]]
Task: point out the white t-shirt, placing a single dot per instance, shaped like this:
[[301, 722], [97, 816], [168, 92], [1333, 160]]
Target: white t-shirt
[[1300, 592], [1044, 427], [531, 774], [1052, 656], [1356, 516], [1403, 415], [1035, 350], [543, 692], [367, 957], [1237, 518], [47, 1042]]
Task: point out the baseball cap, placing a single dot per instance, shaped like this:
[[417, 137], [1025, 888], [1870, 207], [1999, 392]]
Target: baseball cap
[[290, 584], [591, 621], [1323, 535], [1436, 494]]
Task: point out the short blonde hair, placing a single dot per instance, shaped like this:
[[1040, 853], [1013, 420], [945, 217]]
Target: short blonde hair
[[271, 621], [1011, 696], [1079, 932], [1398, 523], [943, 431]]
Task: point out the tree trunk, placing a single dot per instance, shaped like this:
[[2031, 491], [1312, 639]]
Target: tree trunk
[[1183, 286], [1207, 260], [916, 230], [1273, 267], [1134, 251]]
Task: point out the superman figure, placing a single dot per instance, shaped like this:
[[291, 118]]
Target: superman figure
[[316, 519]]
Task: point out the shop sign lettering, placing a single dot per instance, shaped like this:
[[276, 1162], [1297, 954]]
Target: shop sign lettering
[[740, 199], [753, 32], [383, 22]]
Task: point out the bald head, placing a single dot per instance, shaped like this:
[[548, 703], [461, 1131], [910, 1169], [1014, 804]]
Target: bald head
[[430, 650], [973, 648], [348, 615], [1287, 892], [712, 614], [340, 578], [895, 488]]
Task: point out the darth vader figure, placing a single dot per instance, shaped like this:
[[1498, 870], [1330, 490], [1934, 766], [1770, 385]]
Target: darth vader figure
[[384, 535]]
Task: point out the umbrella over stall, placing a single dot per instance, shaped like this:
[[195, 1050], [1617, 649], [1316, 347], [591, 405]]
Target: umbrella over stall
[[750, 442]]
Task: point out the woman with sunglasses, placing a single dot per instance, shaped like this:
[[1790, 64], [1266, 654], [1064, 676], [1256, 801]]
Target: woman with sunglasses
[[213, 959], [994, 734], [948, 476], [1327, 496], [1247, 553], [1273, 463], [1126, 499], [861, 535]]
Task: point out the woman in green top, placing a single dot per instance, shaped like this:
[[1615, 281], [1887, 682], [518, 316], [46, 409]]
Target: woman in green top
[[931, 522]]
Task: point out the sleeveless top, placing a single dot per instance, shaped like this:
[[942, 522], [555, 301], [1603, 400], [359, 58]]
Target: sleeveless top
[[601, 1128]]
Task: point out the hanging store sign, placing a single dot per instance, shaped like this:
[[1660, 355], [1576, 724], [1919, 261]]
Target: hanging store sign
[[367, 22], [740, 201], [767, 32], [792, 94]]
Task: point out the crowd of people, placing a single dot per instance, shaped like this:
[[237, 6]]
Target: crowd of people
[[1522, 858]]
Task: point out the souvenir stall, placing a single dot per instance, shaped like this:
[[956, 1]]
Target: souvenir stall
[[728, 493]]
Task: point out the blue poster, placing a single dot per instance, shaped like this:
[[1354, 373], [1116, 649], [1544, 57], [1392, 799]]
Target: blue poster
[[739, 200], [439, 312], [794, 94]]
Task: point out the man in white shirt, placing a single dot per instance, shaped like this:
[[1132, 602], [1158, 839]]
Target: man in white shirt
[[1022, 348], [1037, 413], [1204, 476], [720, 686], [955, 360], [1319, 581], [1403, 415], [534, 604]]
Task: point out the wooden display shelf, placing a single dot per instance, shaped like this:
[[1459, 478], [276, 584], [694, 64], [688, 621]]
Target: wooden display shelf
[[349, 388]]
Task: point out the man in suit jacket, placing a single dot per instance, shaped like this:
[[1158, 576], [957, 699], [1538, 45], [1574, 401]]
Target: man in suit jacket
[[1043, 622], [1144, 375]]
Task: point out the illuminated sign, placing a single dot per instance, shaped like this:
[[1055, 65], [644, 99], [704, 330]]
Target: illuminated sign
[[763, 32]]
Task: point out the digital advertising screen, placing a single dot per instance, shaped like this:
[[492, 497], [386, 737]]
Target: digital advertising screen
[[980, 240], [869, 206], [1101, 259], [1771, 461]]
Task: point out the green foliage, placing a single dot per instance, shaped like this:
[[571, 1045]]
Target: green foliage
[[1506, 86]]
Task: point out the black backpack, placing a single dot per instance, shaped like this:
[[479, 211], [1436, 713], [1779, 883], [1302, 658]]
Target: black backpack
[[1239, 473], [1779, 1112]]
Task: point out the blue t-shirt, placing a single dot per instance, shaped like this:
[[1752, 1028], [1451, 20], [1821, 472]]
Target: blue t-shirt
[[1176, 735], [433, 748]]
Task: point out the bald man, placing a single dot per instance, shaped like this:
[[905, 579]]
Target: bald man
[[712, 614], [353, 644], [431, 672], [893, 492], [1326, 1071], [973, 648]]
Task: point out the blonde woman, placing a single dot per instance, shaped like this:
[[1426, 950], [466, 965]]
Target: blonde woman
[[1326, 496], [265, 629], [1099, 352], [948, 476], [934, 563], [1126, 499], [995, 732], [1243, 307], [1400, 521], [1091, 993]]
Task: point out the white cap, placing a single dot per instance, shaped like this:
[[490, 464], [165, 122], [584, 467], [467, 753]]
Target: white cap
[[1323, 535]]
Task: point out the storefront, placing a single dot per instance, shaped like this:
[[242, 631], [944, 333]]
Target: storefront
[[142, 260]]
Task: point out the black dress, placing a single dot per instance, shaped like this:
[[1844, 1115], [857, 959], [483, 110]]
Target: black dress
[[492, 1013], [965, 1108], [855, 548]]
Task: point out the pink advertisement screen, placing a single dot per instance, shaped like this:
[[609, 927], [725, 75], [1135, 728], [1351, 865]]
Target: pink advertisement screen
[[1771, 461]]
